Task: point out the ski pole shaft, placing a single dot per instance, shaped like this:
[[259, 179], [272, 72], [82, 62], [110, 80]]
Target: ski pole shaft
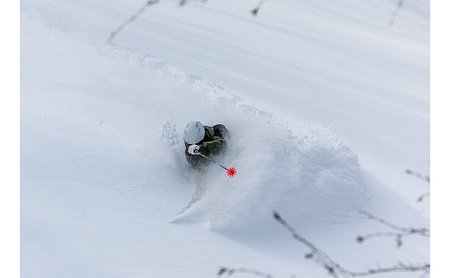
[[211, 160]]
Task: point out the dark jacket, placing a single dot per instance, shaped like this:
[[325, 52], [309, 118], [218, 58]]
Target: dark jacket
[[213, 143]]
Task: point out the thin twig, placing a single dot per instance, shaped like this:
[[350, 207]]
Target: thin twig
[[184, 2], [417, 175], [132, 18], [231, 271], [422, 232], [398, 268], [425, 178], [421, 197], [402, 232], [258, 7], [398, 237], [394, 14]]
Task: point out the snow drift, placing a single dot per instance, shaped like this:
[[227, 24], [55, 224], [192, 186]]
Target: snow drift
[[284, 164]]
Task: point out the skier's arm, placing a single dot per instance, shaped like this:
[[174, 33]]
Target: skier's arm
[[213, 147]]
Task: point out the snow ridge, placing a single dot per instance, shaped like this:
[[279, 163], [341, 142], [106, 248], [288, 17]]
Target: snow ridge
[[284, 164]]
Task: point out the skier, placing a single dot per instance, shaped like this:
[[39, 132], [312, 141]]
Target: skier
[[205, 140]]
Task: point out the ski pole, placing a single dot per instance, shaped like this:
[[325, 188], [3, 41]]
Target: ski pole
[[231, 170]]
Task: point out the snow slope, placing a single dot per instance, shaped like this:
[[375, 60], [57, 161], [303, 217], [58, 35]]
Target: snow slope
[[327, 106]]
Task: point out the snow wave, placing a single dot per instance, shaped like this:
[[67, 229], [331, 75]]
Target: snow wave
[[285, 164], [304, 172]]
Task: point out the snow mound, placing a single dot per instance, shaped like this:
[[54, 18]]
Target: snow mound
[[304, 173], [285, 164], [289, 165]]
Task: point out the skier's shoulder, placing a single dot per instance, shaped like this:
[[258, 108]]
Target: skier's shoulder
[[216, 132], [209, 131], [221, 131]]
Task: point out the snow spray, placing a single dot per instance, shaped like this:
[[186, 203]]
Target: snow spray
[[231, 172]]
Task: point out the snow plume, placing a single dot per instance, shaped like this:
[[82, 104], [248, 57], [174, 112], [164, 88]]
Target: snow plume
[[284, 164], [302, 173]]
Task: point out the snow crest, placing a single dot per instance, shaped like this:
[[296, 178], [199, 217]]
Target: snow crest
[[303, 172], [289, 165]]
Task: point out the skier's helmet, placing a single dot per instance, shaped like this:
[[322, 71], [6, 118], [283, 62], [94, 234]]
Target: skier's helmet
[[194, 133]]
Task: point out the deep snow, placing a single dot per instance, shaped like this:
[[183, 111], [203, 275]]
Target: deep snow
[[327, 106]]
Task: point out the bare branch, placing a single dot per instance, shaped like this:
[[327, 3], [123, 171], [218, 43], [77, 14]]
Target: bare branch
[[394, 14], [417, 175], [402, 232], [184, 2], [231, 271], [258, 7], [335, 270], [132, 18], [316, 254], [425, 268], [423, 231], [421, 197], [425, 178], [398, 237]]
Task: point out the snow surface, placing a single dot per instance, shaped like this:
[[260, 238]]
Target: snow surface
[[326, 103]]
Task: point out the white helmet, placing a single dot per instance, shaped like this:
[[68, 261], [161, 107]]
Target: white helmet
[[194, 132]]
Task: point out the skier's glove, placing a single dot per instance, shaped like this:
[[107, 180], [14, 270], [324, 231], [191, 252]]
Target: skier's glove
[[194, 149]]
